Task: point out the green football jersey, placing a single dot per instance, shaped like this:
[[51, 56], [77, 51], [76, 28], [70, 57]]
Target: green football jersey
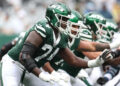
[[49, 47], [73, 71], [58, 62]]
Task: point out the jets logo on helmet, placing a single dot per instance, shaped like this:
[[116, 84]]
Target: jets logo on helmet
[[58, 15], [111, 28], [58, 7], [95, 22], [96, 16]]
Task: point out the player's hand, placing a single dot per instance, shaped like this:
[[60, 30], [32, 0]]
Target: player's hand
[[100, 59], [106, 55], [82, 74], [45, 77], [60, 76], [64, 76], [55, 76]]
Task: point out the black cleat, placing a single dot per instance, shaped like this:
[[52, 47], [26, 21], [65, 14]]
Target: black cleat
[[102, 80]]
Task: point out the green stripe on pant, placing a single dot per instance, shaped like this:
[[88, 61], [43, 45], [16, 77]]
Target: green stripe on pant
[[1, 81]]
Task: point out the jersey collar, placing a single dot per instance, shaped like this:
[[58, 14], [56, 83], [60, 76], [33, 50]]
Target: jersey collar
[[71, 43]]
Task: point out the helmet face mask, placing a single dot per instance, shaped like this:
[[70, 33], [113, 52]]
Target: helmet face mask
[[63, 21], [57, 15], [100, 28], [110, 33], [75, 23], [73, 30]]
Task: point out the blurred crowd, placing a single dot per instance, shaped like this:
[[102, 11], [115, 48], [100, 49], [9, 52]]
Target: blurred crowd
[[19, 15]]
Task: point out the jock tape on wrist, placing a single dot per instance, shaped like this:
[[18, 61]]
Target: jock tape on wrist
[[28, 51]]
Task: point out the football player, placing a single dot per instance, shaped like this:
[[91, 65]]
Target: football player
[[75, 23], [99, 34], [113, 70], [43, 41], [102, 32]]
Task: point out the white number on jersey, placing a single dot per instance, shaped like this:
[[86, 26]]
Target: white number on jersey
[[49, 48]]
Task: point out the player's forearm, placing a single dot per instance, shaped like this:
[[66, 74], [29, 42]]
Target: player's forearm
[[36, 71], [29, 64], [92, 46], [78, 62], [47, 67], [26, 57], [86, 64], [101, 46], [92, 55], [6, 48]]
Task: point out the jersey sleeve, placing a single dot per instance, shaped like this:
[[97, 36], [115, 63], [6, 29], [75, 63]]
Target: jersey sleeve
[[21, 35], [64, 41], [86, 35], [40, 29]]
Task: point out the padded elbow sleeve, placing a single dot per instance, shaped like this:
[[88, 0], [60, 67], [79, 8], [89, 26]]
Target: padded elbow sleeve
[[28, 62], [29, 48], [28, 52]]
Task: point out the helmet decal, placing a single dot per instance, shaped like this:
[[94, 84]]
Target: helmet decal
[[95, 21]]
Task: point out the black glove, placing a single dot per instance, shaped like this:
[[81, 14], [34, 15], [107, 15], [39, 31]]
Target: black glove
[[106, 55], [102, 80], [115, 53]]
